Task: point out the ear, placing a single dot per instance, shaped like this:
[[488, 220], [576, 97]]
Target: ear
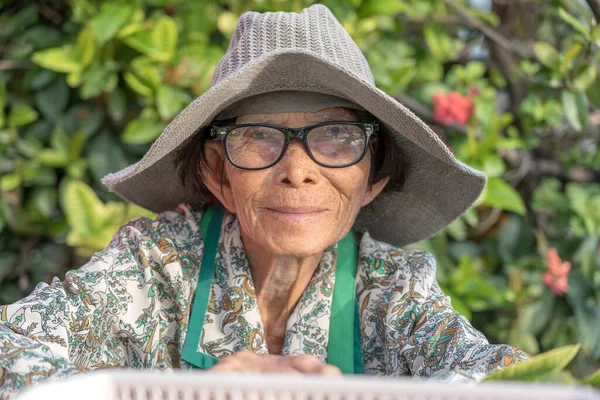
[[374, 191], [215, 178]]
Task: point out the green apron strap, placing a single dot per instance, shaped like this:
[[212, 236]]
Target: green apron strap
[[210, 226], [343, 350]]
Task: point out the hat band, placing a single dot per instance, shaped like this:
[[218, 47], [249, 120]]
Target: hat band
[[285, 101]]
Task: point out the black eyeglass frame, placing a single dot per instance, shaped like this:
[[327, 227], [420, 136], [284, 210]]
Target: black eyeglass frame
[[220, 132]]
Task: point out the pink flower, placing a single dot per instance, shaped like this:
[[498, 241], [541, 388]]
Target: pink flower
[[451, 107], [556, 278]]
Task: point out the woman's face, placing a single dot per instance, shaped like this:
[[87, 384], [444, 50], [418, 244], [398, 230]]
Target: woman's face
[[296, 207]]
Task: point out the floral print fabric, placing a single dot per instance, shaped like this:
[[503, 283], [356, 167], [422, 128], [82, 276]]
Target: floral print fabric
[[129, 306]]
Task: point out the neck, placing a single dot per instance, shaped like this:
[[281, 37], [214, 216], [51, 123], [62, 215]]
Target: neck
[[279, 282]]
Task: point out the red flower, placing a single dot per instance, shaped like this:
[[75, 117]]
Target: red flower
[[451, 107], [556, 278]]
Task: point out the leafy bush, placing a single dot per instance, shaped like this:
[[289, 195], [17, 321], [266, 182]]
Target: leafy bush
[[86, 85]]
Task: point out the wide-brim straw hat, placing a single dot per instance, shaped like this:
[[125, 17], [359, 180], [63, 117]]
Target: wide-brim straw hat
[[311, 51]]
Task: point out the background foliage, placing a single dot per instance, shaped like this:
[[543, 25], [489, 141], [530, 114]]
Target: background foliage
[[86, 85]]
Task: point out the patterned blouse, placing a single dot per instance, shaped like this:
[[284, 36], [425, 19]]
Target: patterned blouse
[[129, 306]]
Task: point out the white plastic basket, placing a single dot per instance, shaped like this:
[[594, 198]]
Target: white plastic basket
[[144, 385]]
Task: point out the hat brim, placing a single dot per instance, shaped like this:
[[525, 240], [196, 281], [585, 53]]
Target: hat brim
[[438, 188]]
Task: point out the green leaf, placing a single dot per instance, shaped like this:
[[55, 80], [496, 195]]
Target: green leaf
[[21, 114], [116, 105], [500, 194], [569, 56], [13, 22], [85, 47], [53, 100], [547, 54], [38, 78], [159, 42], [381, 7], [135, 24], [105, 155], [539, 366], [85, 212], [574, 22], [146, 69], [35, 174], [593, 93], [164, 38], [83, 118], [53, 158], [96, 80], [593, 380], [112, 16], [586, 78], [143, 130], [493, 165], [596, 35], [474, 70], [142, 42], [536, 315], [440, 44], [523, 340], [137, 85], [9, 182], [576, 109], [227, 22], [76, 145], [74, 78], [168, 102], [45, 200], [59, 59]]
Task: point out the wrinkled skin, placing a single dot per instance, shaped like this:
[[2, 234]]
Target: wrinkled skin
[[288, 214]]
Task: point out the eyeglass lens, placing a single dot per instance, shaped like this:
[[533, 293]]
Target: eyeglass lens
[[331, 145]]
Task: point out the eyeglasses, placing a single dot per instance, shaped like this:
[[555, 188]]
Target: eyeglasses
[[330, 144]]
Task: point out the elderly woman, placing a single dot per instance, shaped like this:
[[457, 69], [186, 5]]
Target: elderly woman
[[253, 264]]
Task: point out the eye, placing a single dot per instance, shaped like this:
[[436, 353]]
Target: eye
[[259, 133]]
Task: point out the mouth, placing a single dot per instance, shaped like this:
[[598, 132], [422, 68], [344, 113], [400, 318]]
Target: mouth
[[296, 214]]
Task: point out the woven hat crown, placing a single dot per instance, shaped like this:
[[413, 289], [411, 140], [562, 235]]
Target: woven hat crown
[[314, 30]]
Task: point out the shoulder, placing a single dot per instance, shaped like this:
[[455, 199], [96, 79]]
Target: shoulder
[[179, 227], [172, 236], [396, 266]]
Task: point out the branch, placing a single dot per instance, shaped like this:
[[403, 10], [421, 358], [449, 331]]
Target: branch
[[524, 165], [595, 7], [8, 65], [489, 32]]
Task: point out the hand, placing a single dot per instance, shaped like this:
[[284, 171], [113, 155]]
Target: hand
[[245, 361]]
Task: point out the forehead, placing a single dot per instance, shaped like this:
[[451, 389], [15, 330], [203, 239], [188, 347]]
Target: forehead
[[325, 115]]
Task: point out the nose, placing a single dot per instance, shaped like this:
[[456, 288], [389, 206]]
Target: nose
[[296, 168]]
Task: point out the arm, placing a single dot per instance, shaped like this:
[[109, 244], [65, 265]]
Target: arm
[[444, 346]]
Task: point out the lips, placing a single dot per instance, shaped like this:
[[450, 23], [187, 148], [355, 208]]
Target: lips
[[297, 210], [296, 214]]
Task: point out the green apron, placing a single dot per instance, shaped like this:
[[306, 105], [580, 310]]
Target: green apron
[[343, 350]]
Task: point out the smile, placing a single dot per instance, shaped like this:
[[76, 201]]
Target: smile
[[296, 214]]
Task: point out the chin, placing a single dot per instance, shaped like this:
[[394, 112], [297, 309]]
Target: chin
[[299, 240]]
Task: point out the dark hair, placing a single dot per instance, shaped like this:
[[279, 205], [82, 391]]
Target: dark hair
[[386, 160]]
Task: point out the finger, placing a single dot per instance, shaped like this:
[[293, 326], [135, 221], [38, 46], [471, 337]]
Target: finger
[[331, 370], [245, 361], [310, 364]]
